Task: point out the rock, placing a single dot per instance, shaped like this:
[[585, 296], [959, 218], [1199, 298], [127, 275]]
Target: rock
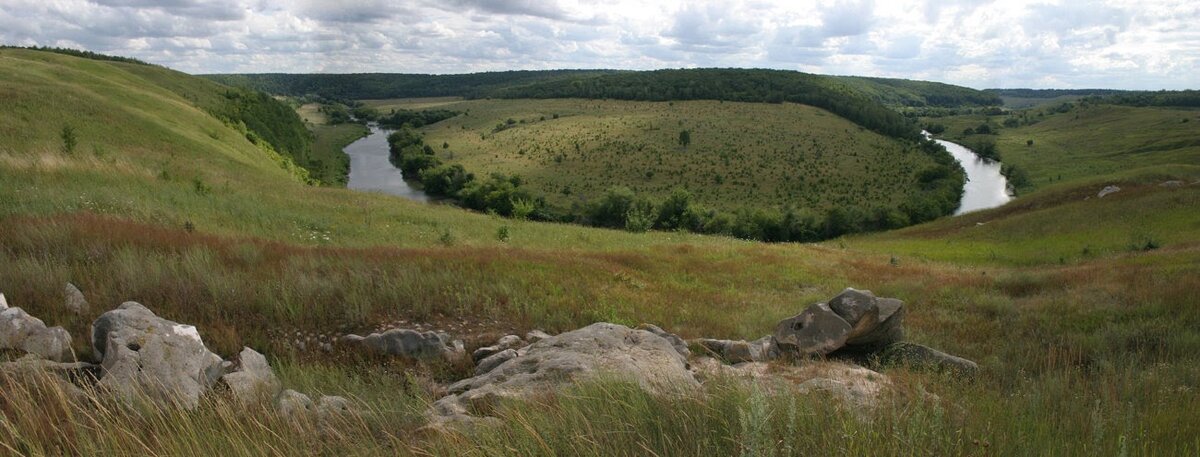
[[292, 404], [676, 342], [855, 386], [410, 343], [1172, 184], [506, 342], [3, 303], [853, 305], [61, 375], [535, 336], [19, 330], [919, 356], [254, 379], [74, 299], [602, 348], [494, 360], [880, 328], [1108, 190], [333, 406], [146, 354], [815, 331], [738, 351]]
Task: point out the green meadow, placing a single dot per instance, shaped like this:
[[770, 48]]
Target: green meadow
[[1087, 336]]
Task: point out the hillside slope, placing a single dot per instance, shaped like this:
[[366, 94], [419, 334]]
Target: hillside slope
[[162, 203]]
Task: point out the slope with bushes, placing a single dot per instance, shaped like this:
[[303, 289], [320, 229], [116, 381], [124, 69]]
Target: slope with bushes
[[227, 240]]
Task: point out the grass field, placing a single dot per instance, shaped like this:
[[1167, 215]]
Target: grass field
[[164, 205], [741, 154]]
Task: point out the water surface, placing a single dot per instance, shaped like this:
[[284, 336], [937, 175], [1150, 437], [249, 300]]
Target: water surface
[[370, 169]]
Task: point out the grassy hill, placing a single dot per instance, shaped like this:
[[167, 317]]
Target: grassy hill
[[163, 203], [740, 155]]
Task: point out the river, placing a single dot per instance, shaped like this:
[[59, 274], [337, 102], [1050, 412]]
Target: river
[[370, 169], [985, 187]]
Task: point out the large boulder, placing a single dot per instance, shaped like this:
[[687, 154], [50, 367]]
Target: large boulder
[[144, 353], [75, 302], [815, 331], [254, 379], [874, 321], [924, 357], [410, 343], [599, 349], [20, 331]]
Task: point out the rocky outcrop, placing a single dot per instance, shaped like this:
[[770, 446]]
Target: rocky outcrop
[[146, 354], [20, 331], [1108, 190], [856, 387], [635, 355], [254, 380], [676, 342], [815, 331], [75, 302], [738, 351], [505, 343], [292, 404], [919, 356], [410, 344], [536, 335], [494, 360]]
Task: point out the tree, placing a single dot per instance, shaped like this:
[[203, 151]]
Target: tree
[[685, 138], [68, 139]]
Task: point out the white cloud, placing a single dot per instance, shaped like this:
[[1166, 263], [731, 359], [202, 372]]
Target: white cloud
[[1147, 44]]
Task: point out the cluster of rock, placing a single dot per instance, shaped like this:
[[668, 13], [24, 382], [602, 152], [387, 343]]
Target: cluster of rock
[[852, 326], [140, 354], [819, 349]]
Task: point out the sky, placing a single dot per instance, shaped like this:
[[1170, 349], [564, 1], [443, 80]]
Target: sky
[[1120, 44]]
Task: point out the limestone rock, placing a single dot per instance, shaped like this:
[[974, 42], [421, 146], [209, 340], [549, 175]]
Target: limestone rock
[[598, 349], [144, 353], [332, 406], [3, 303], [19, 330], [74, 299], [919, 356], [494, 360], [292, 404], [506, 342], [1108, 190], [410, 343], [815, 331], [856, 387], [676, 342], [254, 378], [536, 335], [738, 351]]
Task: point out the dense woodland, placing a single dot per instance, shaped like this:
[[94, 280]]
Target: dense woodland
[[367, 86], [80, 53], [769, 86]]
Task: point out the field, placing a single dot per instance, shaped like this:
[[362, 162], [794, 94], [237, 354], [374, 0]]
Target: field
[[1087, 354], [741, 155]]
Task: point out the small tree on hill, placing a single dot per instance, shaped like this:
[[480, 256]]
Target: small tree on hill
[[68, 139], [685, 138]]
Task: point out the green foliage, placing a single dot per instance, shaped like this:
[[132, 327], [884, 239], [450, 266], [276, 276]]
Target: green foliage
[[416, 119], [69, 141], [726, 84], [685, 138], [375, 86]]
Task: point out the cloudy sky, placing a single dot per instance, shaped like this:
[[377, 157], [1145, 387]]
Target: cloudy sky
[[1143, 44]]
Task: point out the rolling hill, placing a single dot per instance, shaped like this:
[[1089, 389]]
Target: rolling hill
[[160, 201]]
